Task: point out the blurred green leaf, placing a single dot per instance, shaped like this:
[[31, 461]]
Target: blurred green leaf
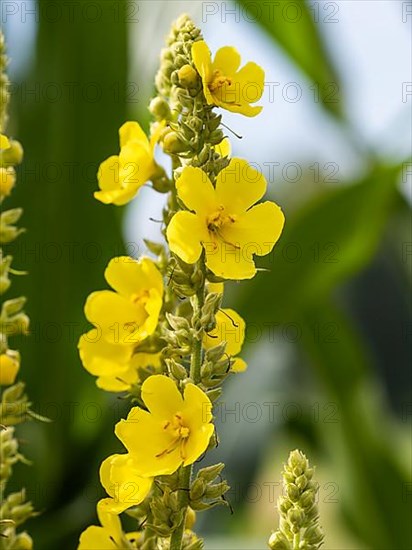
[[293, 26], [330, 239]]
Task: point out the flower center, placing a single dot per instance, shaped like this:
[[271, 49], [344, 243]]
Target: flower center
[[140, 298], [180, 434], [219, 80], [218, 219]]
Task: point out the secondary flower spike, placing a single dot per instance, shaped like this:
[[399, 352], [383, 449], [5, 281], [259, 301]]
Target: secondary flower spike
[[129, 313], [223, 220], [121, 176], [175, 430], [224, 84]]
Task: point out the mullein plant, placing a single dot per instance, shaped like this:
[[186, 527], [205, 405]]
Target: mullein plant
[[160, 334], [297, 506], [14, 405]]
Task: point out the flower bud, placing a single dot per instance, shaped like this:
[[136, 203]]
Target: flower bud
[[173, 144], [188, 76], [293, 492], [4, 283], [23, 542], [159, 108], [7, 181], [278, 541], [190, 518], [12, 155], [9, 367]]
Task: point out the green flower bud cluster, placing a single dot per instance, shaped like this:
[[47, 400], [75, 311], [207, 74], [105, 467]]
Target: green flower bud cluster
[[182, 35], [193, 127], [15, 407], [204, 492], [9, 455], [5, 265], [16, 508], [185, 279], [8, 231], [299, 517], [13, 320]]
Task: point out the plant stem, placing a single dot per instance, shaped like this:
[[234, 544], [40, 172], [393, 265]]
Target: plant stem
[[184, 478], [185, 474]]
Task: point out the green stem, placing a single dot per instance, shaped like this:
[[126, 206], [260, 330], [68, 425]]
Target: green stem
[[186, 471], [184, 479]]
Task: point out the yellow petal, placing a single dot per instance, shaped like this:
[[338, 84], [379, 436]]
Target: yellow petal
[[141, 359], [102, 358], [109, 520], [238, 365], [197, 443], [223, 148], [197, 407], [152, 306], [120, 480], [4, 142], [120, 382], [251, 79], [129, 276], [239, 186], [119, 319], [196, 191], [131, 131], [161, 396], [108, 174], [156, 131], [241, 108], [9, 367], [144, 436], [96, 538], [256, 231], [228, 262], [230, 328], [136, 165], [203, 62], [185, 233], [202, 59], [227, 60]]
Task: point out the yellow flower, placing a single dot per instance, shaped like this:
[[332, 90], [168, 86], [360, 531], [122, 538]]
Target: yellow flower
[[176, 430], [224, 84], [7, 180], [109, 536], [223, 220], [4, 142], [9, 367], [230, 328], [115, 365], [121, 176], [124, 486], [130, 313]]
